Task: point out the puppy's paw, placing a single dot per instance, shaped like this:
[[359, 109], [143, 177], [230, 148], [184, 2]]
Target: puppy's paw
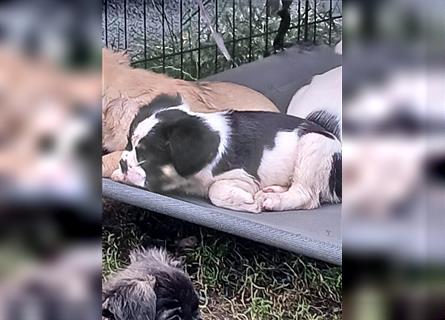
[[249, 204], [275, 189], [269, 201], [253, 208]]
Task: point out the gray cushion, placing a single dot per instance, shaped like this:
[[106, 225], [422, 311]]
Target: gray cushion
[[315, 233]]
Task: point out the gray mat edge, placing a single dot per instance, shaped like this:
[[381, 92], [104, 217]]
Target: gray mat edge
[[212, 218]]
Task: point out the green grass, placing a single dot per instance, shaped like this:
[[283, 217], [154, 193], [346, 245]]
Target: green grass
[[235, 278]]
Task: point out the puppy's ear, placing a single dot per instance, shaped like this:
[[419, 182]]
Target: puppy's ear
[[158, 103], [192, 145], [131, 299]]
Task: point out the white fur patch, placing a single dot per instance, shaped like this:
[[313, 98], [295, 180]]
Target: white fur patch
[[135, 174], [277, 164], [339, 48], [314, 163], [143, 128], [324, 93], [218, 122]]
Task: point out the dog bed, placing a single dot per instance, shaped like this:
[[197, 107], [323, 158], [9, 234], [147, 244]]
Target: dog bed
[[314, 233]]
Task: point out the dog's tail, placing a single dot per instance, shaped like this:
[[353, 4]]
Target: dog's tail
[[331, 123], [328, 120]]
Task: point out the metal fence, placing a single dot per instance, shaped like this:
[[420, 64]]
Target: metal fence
[[171, 36]]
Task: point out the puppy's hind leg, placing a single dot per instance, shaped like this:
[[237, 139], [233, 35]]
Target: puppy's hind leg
[[311, 176], [235, 195]]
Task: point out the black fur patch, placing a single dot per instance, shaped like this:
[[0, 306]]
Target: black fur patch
[[326, 120], [192, 143], [252, 133], [335, 177], [174, 291], [179, 139], [158, 103], [312, 127]]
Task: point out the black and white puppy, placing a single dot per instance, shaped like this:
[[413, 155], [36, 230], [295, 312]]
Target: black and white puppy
[[248, 161], [152, 287]]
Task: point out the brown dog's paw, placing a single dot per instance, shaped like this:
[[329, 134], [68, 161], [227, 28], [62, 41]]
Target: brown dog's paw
[[118, 176], [110, 163]]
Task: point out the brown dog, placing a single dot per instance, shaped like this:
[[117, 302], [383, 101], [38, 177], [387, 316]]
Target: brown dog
[[126, 89]]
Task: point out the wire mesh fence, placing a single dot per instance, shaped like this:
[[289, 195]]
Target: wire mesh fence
[[175, 36]]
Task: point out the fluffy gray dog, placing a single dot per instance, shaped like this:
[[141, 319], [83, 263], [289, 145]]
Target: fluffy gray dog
[[152, 287]]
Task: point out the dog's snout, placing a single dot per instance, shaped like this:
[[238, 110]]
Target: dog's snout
[[124, 166]]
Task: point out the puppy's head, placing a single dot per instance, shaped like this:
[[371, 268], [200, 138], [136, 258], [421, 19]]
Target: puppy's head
[[151, 287], [128, 298], [169, 142], [175, 296]]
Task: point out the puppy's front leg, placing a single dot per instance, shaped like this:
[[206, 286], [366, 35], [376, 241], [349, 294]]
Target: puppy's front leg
[[235, 195], [110, 163]]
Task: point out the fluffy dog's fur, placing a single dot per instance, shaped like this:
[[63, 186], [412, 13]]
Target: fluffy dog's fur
[[250, 161], [126, 90], [152, 287], [323, 93]]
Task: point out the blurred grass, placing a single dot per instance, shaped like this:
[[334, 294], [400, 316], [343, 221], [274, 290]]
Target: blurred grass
[[236, 278]]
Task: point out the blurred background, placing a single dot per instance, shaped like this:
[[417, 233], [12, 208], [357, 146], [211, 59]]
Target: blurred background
[[394, 159], [50, 208]]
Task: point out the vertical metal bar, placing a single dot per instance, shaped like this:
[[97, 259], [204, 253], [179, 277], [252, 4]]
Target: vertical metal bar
[[216, 29], [299, 20], [118, 38], [315, 21], [330, 22], [181, 39], [267, 25], [106, 21], [163, 36], [306, 22], [190, 29], [199, 42], [250, 30], [145, 33], [234, 31], [125, 25]]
